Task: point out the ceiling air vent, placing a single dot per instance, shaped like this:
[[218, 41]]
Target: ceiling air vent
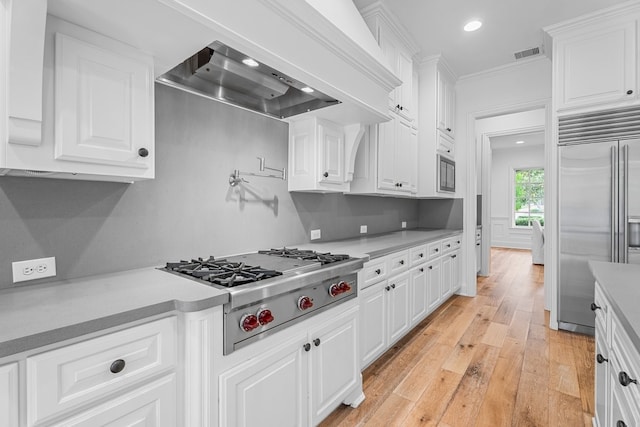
[[526, 53]]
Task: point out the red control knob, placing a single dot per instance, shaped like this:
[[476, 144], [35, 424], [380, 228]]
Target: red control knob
[[249, 322], [265, 316], [339, 288], [305, 303], [344, 286]]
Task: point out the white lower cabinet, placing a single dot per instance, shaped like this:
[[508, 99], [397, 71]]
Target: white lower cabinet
[[9, 402], [299, 382], [419, 294], [617, 369], [398, 296], [373, 323], [434, 278]]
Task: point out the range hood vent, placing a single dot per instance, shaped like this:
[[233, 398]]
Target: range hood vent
[[218, 72], [528, 52]]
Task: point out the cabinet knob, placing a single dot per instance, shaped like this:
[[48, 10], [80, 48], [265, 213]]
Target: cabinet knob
[[477, 244], [143, 152], [601, 359], [421, 270], [421, 255], [326, 174], [398, 106], [378, 271], [625, 379], [401, 108], [388, 288], [436, 250], [595, 306], [448, 129], [621, 423], [316, 342], [117, 366], [393, 286], [453, 256], [431, 267], [629, 92], [448, 151], [307, 347], [401, 262]]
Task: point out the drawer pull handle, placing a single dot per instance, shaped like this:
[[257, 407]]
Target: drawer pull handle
[[625, 379], [595, 306], [621, 423], [601, 359], [117, 366], [316, 342], [378, 271]]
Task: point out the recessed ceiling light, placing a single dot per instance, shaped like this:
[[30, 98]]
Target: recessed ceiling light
[[307, 89], [250, 62], [519, 142], [472, 25]]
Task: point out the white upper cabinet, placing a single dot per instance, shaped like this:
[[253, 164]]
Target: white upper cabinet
[[386, 160], [595, 61], [446, 103], [398, 49], [316, 156], [437, 125], [98, 111]]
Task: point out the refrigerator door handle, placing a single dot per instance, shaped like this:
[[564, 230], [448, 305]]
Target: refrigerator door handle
[[614, 204], [625, 225]]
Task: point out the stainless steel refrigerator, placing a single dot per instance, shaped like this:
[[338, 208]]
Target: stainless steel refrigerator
[[599, 210]]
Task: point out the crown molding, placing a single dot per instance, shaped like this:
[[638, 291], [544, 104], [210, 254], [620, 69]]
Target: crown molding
[[380, 11], [503, 68]]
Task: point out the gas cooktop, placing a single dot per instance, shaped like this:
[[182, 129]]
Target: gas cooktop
[[248, 268]]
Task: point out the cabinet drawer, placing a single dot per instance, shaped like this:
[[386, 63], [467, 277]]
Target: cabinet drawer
[[451, 244], [398, 262], [445, 145], [434, 249], [418, 255], [374, 271], [66, 377], [153, 404]]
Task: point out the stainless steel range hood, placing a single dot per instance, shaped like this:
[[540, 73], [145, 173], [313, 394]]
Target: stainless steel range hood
[[224, 74]]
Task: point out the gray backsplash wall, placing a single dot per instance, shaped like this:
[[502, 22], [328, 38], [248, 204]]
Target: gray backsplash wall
[[441, 213], [189, 210]]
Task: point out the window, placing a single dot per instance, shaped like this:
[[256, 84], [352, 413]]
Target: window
[[528, 197]]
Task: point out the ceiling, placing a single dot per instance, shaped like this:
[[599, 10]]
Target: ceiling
[[509, 141], [509, 26]]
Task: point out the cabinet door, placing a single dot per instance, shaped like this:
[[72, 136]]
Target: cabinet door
[[152, 405], [373, 322], [404, 106], [434, 278], [441, 96], [103, 106], [418, 295], [387, 155], [332, 154], [9, 404], [597, 67], [398, 296], [335, 369], [455, 271], [389, 48], [450, 108], [269, 390], [601, 379], [405, 156], [445, 284]]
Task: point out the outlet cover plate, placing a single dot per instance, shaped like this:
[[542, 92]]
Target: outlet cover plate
[[363, 229], [315, 234], [33, 269], [404, 224]]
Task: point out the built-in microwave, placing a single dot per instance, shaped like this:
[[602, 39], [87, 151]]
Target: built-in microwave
[[446, 174]]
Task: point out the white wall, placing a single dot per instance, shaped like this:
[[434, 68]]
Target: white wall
[[503, 162], [519, 87]]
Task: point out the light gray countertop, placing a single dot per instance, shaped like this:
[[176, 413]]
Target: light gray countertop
[[379, 245], [620, 285], [33, 316], [36, 315]]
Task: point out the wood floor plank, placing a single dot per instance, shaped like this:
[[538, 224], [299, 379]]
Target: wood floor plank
[[486, 361]]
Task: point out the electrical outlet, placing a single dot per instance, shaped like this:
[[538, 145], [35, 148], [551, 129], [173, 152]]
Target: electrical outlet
[[363, 229], [315, 234], [404, 224], [33, 269]]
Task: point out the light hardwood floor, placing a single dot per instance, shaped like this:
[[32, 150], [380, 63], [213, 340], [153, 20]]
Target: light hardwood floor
[[484, 361]]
